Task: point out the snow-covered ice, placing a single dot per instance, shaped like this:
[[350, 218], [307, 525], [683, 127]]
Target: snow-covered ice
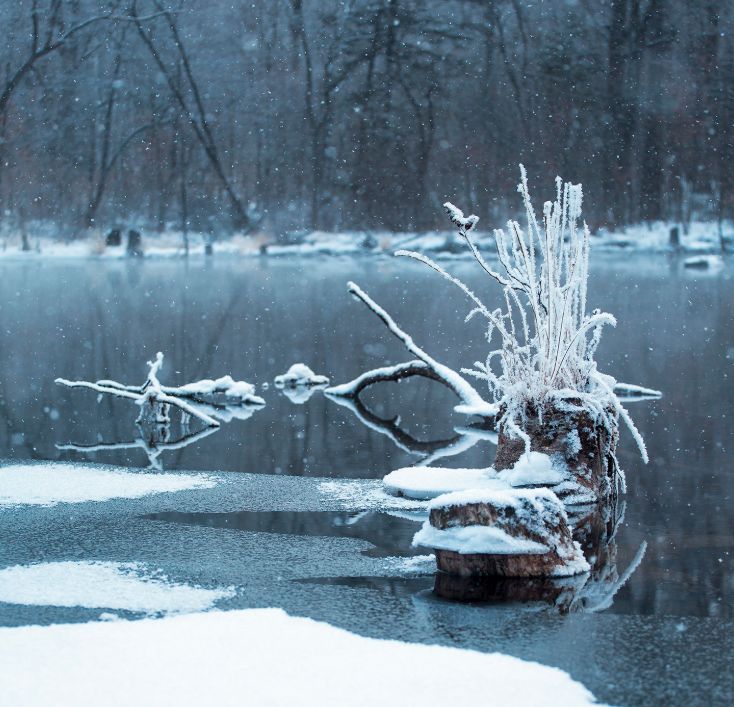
[[258, 657], [103, 585], [425, 482], [49, 484]]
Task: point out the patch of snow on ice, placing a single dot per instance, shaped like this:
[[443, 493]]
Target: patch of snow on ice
[[365, 495], [49, 484], [263, 654], [426, 482], [102, 585], [419, 564]]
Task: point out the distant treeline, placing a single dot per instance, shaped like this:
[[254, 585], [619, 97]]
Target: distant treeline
[[361, 114]]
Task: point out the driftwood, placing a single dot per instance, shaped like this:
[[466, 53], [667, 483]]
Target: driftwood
[[533, 537], [425, 365], [205, 400], [575, 440]]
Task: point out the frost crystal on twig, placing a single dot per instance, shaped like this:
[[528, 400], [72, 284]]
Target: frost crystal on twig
[[547, 340]]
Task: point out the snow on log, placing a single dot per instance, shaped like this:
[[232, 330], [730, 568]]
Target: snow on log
[[506, 533], [629, 393], [300, 375]]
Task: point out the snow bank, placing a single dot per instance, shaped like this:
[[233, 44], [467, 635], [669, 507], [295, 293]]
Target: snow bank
[[258, 657], [103, 585], [49, 484], [299, 374], [425, 482]]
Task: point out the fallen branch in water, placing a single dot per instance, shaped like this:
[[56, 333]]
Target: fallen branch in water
[[426, 366], [205, 399]]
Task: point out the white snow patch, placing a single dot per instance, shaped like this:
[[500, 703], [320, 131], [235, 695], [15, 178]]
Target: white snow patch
[[49, 484], [103, 585], [533, 469], [226, 385], [419, 564], [426, 482], [257, 657], [362, 494], [299, 374], [476, 539], [506, 496]]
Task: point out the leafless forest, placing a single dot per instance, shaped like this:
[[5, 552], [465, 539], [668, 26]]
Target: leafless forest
[[360, 114]]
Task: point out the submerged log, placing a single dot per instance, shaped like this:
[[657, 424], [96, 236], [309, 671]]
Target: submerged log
[[574, 439]]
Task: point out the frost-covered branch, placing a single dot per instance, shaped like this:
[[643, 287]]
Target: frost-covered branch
[[205, 399], [547, 340], [463, 389]]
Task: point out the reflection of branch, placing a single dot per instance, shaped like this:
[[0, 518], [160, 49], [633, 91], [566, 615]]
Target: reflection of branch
[[153, 449], [465, 438], [606, 599], [473, 403]]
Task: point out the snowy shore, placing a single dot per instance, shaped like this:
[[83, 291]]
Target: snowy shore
[[701, 238], [257, 657]]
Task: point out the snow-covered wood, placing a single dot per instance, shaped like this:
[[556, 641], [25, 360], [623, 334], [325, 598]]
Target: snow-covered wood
[[299, 374], [425, 366], [202, 399], [506, 533]]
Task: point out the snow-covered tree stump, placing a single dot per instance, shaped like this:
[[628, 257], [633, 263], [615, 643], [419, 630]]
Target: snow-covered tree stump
[[577, 440], [517, 533]]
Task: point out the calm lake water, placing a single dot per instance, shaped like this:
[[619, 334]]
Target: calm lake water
[[253, 319]]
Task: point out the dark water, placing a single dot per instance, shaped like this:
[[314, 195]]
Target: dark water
[[253, 319]]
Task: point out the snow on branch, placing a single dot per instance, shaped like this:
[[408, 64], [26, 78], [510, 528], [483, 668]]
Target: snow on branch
[[205, 399], [430, 368]]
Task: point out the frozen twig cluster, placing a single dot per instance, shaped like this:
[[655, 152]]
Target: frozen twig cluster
[[543, 339], [205, 400]]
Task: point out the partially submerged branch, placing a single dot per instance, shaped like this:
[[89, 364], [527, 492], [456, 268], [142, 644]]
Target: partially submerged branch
[[205, 399], [472, 402]]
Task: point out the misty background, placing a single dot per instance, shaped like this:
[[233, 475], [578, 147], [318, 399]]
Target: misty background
[[270, 115]]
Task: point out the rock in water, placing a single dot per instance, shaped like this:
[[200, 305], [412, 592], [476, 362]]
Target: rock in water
[[513, 533]]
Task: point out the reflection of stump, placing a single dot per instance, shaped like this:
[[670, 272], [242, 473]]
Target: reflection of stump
[[520, 533], [154, 413], [507, 590], [572, 438]]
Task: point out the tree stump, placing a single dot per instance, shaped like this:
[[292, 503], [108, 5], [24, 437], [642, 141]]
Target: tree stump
[[573, 438], [517, 533], [114, 238], [134, 244]]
